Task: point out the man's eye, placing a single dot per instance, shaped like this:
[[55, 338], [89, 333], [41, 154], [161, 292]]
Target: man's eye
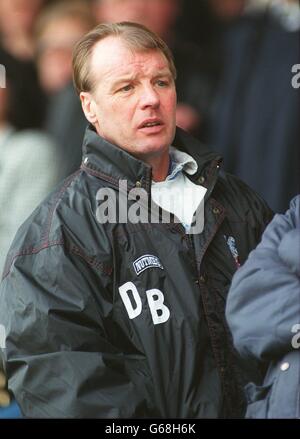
[[126, 88], [161, 83]]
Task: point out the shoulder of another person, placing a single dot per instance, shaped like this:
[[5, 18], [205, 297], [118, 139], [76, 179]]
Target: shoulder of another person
[[31, 149], [33, 139], [295, 205]]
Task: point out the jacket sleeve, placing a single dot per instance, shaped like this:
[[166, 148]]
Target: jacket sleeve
[[263, 304], [61, 356]]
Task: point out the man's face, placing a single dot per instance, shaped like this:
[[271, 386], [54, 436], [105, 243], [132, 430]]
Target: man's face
[[133, 102]]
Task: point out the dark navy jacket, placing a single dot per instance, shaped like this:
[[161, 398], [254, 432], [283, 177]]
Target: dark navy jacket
[[74, 348]]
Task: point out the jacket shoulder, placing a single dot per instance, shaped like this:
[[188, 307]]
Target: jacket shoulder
[[241, 202], [64, 219]]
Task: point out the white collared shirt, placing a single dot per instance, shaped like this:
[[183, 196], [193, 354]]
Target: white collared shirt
[[177, 193]]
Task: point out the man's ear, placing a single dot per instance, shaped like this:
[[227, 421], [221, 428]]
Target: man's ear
[[88, 106]]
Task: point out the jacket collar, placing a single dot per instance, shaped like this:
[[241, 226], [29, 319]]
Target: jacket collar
[[111, 163]]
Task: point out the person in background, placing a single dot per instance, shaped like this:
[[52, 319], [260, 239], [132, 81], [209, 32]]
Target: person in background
[[254, 115], [30, 167], [30, 164], [263, 312], [17, 20], [57, 29]]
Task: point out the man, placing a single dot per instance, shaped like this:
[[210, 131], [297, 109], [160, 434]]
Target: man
[[113, 317]]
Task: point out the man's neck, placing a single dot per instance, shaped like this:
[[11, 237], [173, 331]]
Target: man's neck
[[160, 166]]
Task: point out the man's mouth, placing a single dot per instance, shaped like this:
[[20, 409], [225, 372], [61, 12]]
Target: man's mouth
[[150, 123]]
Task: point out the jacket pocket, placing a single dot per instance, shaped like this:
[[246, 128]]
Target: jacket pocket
[[258, 399]]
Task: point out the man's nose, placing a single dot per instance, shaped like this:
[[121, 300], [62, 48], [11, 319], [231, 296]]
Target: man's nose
[[149, 97]]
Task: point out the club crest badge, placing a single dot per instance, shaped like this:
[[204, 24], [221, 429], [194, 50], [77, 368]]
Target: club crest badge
[[233, 249]]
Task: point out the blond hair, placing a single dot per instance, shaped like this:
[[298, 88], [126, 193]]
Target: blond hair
[[136, 36]]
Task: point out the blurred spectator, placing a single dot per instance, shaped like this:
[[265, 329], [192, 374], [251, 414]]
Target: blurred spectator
[[17, 18], [17, 21], [58, 28], [29, 169], [255, 115], [27, 103], [195, 77], [30, 165]]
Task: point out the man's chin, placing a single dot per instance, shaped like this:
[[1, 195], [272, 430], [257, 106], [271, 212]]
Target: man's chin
[[154, 148], [156, 142]]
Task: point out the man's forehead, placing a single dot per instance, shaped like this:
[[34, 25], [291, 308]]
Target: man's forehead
[[113, 54]]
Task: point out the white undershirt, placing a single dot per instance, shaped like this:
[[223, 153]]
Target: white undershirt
[[177, 194]]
